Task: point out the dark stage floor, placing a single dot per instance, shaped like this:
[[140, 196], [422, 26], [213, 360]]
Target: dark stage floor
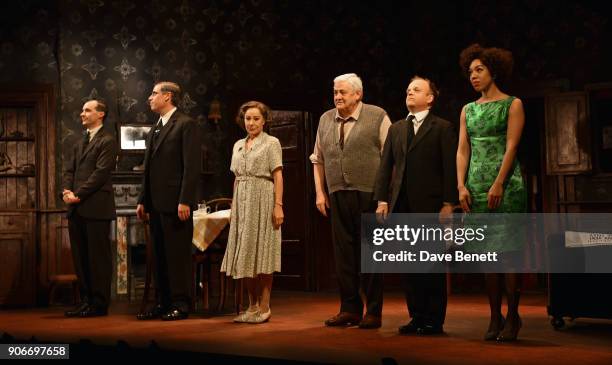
[[296, 334]]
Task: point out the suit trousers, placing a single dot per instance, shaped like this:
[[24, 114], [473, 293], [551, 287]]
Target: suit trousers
[[91, 255], [346, 208], [172, 252], [426, 297], [425, 292]]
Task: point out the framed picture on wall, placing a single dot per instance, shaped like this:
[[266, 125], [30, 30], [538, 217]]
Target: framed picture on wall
[[132, 137]]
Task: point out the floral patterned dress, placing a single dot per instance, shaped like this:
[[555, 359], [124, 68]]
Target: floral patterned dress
[[487, 125], [253, 246]]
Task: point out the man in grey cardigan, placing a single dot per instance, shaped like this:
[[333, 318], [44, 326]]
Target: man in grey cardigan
[[346, 157]]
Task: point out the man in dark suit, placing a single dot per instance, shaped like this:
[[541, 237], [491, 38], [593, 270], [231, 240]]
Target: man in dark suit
[[88, 191], [418, 165], [172, 169]]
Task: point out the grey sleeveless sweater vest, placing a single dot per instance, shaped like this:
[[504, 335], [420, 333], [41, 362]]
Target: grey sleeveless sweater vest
[[355, 166]]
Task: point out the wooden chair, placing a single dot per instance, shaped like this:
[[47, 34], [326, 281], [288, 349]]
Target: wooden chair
[[63, 279], [219, 204], [202, 263]]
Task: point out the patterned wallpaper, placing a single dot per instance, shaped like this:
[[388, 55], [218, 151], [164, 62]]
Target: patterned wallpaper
[[286, 51]]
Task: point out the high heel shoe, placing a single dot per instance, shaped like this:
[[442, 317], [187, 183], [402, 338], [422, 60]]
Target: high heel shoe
[[492, 334], [510, 333]]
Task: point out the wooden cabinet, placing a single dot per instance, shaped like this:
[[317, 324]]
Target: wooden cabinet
[[17, 203], [568, 148], [27, 188], [17, 259]]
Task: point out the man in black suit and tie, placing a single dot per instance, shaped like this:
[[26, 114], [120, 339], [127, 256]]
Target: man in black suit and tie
[[418, 165], [172, 169], [88, 191]]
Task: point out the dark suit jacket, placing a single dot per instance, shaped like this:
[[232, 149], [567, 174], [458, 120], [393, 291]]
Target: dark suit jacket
[[430, 159], [88, 175], [172, 166]]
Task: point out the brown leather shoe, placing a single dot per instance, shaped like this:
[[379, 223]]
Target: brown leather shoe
[[370, 321], [344, 319]]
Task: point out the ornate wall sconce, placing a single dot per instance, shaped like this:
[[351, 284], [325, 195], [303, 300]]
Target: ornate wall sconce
[[214, 113]]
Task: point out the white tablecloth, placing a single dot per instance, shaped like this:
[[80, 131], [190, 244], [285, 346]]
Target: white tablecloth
[[206, 227]]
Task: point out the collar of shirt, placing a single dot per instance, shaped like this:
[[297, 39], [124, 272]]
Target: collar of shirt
[[257, 140], [354, 116], [166, 117], [93, 131], [419, 117]]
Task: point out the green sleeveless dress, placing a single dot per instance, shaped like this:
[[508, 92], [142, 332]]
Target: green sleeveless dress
[[487, 125]]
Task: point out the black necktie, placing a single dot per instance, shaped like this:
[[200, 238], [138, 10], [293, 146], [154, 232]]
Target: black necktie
[[157, 129], [86, 138], [341, 141], [410, 120]]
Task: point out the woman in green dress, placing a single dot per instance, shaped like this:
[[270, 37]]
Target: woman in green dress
[[490, 132]]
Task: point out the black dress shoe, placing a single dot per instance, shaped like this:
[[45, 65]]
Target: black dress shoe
[[155, 312], [75, 312], [411, 327], [175, 315], [370, 321], [343, 319], [429, 329], [94, 311]]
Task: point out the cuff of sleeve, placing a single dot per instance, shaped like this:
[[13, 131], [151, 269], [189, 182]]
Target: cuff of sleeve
[[315, 159]]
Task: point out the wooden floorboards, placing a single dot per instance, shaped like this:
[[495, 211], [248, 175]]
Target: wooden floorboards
[[296, 333]]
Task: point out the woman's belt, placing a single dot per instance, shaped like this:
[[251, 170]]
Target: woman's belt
[[251, 177]]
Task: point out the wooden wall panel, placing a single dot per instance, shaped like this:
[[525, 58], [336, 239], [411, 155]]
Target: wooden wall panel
[[290, 128]]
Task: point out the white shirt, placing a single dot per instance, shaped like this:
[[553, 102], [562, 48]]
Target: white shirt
[[166, 117], [418, 119], [93, 131]]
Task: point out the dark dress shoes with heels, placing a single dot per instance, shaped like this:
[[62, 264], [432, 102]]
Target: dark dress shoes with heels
[[494, 330], [510, 331]]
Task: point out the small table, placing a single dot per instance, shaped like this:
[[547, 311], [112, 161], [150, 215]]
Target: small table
[[207, 226]]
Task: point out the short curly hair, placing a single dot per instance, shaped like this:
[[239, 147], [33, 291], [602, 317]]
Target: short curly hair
[[499, 61], [263, 109]]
